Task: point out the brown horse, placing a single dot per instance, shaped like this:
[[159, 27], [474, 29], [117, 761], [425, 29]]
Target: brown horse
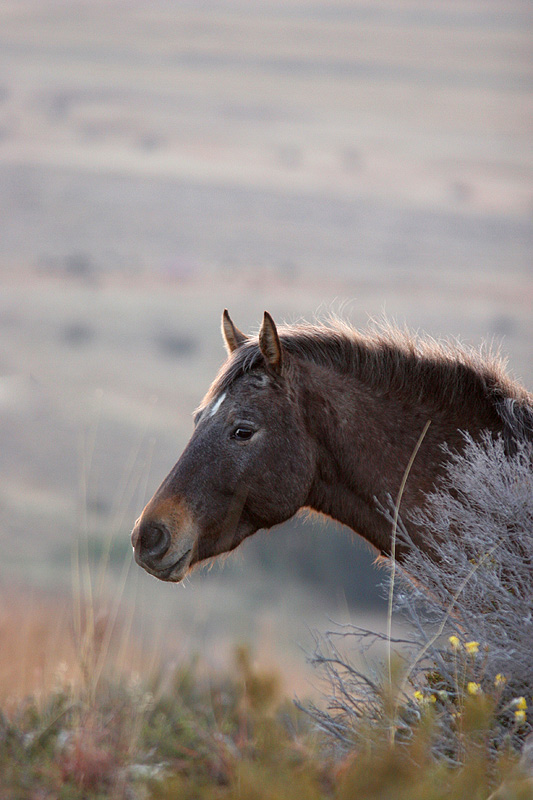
[[326, 418]]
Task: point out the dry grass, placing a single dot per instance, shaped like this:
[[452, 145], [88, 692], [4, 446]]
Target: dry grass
[[39, 649]]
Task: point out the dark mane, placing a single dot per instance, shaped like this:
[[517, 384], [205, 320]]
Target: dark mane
[[388, 359]]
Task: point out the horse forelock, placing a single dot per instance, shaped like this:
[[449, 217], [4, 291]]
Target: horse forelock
[[242, 361]]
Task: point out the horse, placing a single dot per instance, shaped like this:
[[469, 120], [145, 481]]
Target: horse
[[327, 418]]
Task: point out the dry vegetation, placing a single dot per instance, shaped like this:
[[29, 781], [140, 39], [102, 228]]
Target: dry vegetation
[[227, 737], [468, 646], [452, 714]]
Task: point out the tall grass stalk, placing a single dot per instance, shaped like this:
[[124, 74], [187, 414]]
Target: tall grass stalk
[[134, 480], [393, 563], [89, 581]]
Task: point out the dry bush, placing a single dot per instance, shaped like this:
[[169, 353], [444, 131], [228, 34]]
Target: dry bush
[[479, 593]]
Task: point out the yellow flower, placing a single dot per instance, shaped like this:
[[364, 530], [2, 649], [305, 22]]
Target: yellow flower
[[423, 699], [472, 647], [520, 703], [520, 716], [473, 688], [455, 643], [500, 679]]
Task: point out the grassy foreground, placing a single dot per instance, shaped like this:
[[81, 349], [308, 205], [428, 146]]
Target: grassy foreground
[[446, 717], [186, 736]]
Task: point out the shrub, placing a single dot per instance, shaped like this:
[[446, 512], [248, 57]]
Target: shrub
[[466, 661]]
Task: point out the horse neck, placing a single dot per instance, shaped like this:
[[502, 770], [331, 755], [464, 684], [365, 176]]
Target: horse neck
[[363, 441]]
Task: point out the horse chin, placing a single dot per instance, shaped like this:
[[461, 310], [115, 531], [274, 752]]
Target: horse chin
[[174, 572]]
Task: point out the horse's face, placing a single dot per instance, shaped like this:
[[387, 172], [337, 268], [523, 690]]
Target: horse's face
[[248, 465]]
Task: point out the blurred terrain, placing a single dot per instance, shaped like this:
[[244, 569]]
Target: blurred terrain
[[159, 162]]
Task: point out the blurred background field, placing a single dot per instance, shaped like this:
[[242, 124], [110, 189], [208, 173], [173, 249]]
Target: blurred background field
[[161, 161]]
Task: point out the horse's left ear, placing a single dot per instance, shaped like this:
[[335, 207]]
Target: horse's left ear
[[269, 343], [233, 337]]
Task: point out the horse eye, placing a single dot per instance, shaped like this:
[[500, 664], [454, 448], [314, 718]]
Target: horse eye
[[242, 434]]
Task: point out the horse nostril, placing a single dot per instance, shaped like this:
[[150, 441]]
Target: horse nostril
[[154, 540]]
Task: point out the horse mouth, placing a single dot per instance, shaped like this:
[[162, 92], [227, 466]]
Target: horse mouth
[[175, 572]]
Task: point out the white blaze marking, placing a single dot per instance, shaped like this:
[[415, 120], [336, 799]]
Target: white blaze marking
[[217, 404]]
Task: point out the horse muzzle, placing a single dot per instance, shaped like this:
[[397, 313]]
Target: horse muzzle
[[155, 551]]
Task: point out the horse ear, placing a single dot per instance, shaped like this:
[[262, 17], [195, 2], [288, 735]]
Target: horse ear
[[233, 337], [269, 343]]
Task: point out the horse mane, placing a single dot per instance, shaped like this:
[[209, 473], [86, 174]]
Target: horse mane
[[389, 359]]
